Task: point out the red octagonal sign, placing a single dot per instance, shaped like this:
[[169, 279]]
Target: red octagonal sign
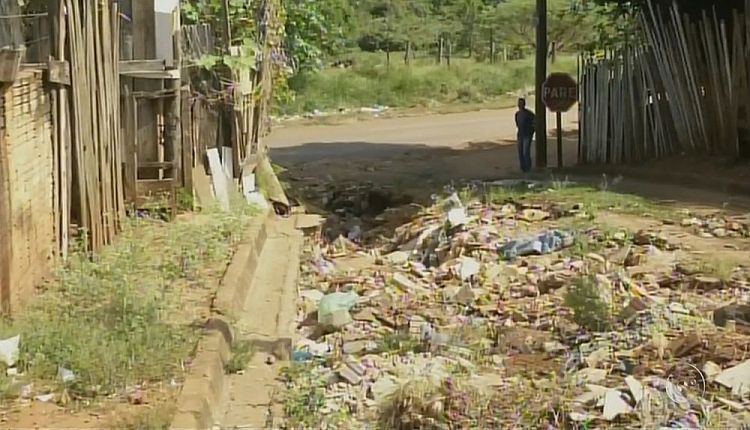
[[559, 92]]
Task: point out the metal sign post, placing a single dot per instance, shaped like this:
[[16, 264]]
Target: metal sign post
[[559, 93]]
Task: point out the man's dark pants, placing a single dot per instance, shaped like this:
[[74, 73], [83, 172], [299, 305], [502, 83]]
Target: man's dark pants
[[524, 151]]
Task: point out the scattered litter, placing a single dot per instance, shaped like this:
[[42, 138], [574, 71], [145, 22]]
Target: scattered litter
[[45, 398], [543, 243], [457, 217], [615, 405], [740, 313], [737, 379], [533, 215], [9, 350], [65, 375], [711, 370], [590, 376], [333, 309], [469, 268], [635, 387], [450, 313]]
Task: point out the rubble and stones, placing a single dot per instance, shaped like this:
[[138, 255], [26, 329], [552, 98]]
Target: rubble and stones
[[463, 313]]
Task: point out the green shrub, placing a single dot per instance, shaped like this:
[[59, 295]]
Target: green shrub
[[590, 309]]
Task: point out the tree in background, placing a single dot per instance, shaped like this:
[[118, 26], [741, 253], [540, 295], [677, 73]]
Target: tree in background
[[316, 29], [467, 14], [572, 24], [390, 25]]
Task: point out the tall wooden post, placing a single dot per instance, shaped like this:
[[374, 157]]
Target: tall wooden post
[[173, 107], [449, 53], [440, 50], [61, 134], [541, 75], [493, 48], [227, 26]]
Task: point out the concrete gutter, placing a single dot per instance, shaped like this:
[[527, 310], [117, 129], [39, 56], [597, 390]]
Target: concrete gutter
[[204, 384]]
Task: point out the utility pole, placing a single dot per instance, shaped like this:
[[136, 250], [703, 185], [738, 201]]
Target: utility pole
[[541, 75]]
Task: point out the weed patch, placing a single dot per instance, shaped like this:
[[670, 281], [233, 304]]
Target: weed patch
[[154, 418], [242, 353], [116, 319], [399, 343], [305, 399], [590, 309], [589, 199]]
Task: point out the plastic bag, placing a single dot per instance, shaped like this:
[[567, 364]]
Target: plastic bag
[[333, 309]]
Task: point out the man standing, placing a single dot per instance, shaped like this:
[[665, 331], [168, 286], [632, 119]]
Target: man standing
[[525, 125]]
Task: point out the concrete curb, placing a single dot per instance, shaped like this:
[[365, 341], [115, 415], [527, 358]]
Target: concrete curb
[[231, 294], [280, 343], [205, 382], [287, 323]]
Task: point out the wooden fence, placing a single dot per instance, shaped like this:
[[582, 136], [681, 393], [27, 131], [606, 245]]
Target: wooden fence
[[98, 127], [684, 88]]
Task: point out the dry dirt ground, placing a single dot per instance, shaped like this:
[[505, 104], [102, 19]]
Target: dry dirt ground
[[456, 145], [425, 152]]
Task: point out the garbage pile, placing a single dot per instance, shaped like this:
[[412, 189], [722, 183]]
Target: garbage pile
[[718, 226], [476, 314]]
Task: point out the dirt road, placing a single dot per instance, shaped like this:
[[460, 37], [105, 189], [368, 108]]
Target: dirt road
[[431, 150], [382, 139], [417, 151], [436, 130]]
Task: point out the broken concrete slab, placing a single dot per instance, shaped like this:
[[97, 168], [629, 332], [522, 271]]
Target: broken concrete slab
[[736, 378], [615, 405]]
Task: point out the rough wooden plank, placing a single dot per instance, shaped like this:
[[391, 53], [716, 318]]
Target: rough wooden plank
[[156, 165], [58, 72], [10, 63], [130, 147], [142, 66], [116, 151], [202, 186], [154, 75], [155, 186], [218, 178], [188, 143], [227, 160]]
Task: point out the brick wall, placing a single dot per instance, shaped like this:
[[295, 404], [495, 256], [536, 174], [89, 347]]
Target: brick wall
[[27, 232]]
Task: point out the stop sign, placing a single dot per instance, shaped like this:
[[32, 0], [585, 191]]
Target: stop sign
[[559, 92]]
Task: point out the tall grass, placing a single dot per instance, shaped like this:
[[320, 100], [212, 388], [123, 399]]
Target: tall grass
[[421, 84]]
